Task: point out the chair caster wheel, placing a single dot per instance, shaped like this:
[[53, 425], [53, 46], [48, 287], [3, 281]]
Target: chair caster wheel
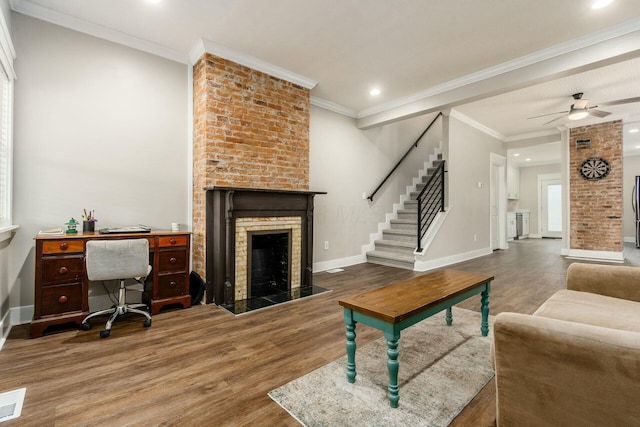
[[105, 333], [147, 323], [85, 326]]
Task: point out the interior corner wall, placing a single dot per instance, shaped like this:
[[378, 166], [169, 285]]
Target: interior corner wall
[[97, 126], [346, 162], [596, 205], [631, 169], [467, 231]]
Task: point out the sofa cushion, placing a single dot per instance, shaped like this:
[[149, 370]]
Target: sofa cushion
[[592, 309]]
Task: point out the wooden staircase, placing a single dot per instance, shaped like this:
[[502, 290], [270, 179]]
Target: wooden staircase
[[399, 242]]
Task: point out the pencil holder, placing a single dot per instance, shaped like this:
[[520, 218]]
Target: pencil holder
[[88, 225]]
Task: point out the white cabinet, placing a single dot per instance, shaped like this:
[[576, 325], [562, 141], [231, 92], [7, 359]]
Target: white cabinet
[[511, 225], [513, 182]]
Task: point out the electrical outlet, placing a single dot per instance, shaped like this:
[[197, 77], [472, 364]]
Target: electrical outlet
[[475, 237], [326, 245], [364, 196]]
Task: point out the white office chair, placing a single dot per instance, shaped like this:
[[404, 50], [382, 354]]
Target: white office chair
[[117, 259]]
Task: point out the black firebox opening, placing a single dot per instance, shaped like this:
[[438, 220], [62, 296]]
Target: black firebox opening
[[269, 263]]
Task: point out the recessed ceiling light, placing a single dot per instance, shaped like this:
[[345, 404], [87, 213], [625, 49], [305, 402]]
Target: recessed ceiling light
[[154, 1], [638, 147], [600, 4], [516, 154], [375, 91], [527, 160], [634, 130]]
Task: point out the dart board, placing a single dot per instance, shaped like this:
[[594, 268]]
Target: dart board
[[594, 168]]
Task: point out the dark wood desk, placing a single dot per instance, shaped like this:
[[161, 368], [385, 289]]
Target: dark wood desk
[[402, 304], [62, 287]]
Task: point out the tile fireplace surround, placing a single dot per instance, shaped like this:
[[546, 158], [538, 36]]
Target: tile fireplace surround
[[233, 213]]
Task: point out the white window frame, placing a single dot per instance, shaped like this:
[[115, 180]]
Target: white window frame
[[7, 78]]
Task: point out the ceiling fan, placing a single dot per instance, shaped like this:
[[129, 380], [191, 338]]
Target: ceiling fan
[[580, 109]]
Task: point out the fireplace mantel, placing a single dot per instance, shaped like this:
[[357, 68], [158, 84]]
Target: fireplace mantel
[[225, 205]]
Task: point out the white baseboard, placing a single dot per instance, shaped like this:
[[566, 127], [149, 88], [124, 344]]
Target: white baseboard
[[629, 239], [596, 255], [15, 316], [338, 263], [453, 259]]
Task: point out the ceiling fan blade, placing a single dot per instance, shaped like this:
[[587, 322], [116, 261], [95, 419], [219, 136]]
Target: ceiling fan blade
[[555, 120], [599, 113], [621, 101], [549, 114]]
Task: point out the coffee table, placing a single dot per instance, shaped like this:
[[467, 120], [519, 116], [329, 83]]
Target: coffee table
[[399, 305]]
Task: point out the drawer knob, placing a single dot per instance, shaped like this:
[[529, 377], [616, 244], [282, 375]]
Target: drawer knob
[[62, 299], [172, 260], [63, 270], [173, 285], [172, 241], [64, 246]]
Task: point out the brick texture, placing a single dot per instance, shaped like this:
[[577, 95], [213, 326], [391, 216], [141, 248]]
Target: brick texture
[[596, 206], [250, 130]]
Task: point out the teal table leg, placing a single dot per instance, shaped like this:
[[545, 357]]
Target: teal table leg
[[351, 345], [393, 366], [484, 299], [449, 317]]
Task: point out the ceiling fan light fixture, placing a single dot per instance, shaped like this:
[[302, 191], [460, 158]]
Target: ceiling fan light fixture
[[600, 4], [578, 114]]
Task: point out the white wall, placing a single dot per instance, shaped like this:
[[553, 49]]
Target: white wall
[[468, 164], [346, 162], [630, 168], [529, 192], [97, 126]]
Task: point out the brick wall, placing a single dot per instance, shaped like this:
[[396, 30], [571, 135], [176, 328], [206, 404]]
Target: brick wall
[[250, 130], [596, 206]]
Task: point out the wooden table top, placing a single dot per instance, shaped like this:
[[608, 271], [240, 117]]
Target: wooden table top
[[401, 300]]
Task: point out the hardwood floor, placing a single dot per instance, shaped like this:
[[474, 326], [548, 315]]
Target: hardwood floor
[[204, 366]]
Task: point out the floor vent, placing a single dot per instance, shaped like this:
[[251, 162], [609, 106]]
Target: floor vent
[[11, 404], [335, 270]]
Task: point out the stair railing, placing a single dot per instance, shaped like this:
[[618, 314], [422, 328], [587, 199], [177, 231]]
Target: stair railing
[[430, 202], [414, 145]]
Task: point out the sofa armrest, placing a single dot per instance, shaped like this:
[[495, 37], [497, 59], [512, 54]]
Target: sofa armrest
[[558, 373], [611, 280]]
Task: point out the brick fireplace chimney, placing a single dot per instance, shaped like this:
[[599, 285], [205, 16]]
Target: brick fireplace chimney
[[251, 130]]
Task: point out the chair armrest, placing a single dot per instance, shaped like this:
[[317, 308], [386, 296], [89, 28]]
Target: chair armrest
[[611, 280], [554, 372]]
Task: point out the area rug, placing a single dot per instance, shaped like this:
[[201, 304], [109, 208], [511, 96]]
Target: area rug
[[441, 370]]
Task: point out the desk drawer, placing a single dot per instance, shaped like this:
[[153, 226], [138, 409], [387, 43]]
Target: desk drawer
[[62, 246], [62, 269], [61, 298], [171, 285], [168, 241], [170, 261]]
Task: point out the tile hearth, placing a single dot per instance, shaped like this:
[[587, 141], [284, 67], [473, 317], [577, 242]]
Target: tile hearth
[[251, 304]]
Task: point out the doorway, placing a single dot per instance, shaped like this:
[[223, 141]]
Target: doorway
[[550, 197]]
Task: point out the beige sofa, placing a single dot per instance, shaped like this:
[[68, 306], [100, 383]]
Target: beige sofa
[[576, 360]]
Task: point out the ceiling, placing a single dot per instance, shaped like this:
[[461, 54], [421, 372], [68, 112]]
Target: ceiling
[[495, 62]]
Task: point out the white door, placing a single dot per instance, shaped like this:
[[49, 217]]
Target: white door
[[551, 208]]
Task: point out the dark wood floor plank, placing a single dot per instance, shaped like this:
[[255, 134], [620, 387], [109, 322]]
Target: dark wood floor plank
[[204, 366]]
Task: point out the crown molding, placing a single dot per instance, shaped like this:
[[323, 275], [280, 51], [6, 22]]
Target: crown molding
[[477, 125], [531, 135], [216, 49], [332, 106], [36, 11], [589, 40]]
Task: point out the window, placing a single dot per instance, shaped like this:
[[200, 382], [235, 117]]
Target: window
[[7, 76]]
